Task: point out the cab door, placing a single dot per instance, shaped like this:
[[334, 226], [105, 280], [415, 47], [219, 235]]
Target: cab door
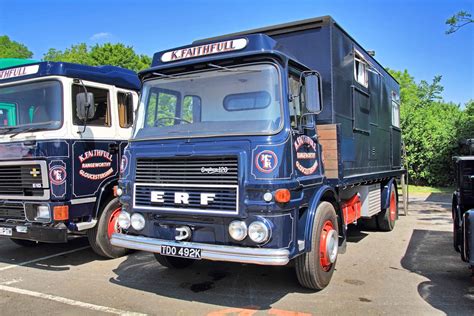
[[306, 150], [95, 152]]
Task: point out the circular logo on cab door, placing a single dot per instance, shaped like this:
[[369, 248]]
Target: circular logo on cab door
[[266, 161], [123, 164], [57, 175]]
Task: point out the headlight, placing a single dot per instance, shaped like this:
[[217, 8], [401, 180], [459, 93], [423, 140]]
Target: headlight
[[259, 232], [238, 230], [42, 213], [119, 191], [138, 221], [124, 220]]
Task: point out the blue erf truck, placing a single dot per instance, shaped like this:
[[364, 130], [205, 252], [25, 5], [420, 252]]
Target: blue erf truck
[[63, 128], [261, 147]]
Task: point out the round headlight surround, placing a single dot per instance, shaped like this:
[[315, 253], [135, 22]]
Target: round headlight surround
[[137, 221], [123, 220], [259, 232], [233, 226]]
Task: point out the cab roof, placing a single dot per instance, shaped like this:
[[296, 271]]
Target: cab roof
[[112, 75]]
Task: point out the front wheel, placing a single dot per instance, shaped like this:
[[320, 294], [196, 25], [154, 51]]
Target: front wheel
[[99, 236], [173, 262], [314, 269]]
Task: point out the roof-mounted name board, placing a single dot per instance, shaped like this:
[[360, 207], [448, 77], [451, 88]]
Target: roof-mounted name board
[[18, 71], [203, 50]]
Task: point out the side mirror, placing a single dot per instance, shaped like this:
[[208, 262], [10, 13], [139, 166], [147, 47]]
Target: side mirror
[[312, 92], [85, 108]]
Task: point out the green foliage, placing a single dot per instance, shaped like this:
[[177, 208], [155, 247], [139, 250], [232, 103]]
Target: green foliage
[[431, 129], [458, 20], [104, 54], [12, 49]]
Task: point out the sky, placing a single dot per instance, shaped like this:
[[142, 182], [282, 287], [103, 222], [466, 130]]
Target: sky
[[405, 34]]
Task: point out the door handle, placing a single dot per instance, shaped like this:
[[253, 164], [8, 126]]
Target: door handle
[[113, 148]]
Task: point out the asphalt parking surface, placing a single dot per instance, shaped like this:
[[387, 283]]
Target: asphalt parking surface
[[411, 270]]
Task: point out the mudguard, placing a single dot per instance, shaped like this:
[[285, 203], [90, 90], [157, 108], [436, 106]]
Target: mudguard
[[467, 253], [385, 202], [308, 231]]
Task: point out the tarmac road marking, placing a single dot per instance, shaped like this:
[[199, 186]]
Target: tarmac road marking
[[11, 266], [67, 301]]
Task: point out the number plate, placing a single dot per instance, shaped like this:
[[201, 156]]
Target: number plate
[[5, 231], [184, 252]]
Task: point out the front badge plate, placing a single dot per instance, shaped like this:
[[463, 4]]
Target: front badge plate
[[6, 231]]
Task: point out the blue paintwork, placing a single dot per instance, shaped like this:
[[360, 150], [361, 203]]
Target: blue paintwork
[[292, 221], [112, 75], [65, 153]]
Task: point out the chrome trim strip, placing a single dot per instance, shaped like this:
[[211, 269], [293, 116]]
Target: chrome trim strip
[[44, 180], [188, 210], [83, 201], [262, 256]]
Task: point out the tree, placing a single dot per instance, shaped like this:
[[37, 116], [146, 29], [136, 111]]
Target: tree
[[104, 54], [12, 49], [431, 129], [458, 20]]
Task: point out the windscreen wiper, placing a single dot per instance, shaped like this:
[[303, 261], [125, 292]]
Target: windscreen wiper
[[226, 69], [29, 129], [5, 130]]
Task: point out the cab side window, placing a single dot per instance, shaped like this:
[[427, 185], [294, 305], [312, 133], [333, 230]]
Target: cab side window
[[101, 104], [125, 107], [296, 102]]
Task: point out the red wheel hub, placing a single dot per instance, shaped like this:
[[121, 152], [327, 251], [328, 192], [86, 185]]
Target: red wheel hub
[[112, 226], [393, 206], [328, 246]]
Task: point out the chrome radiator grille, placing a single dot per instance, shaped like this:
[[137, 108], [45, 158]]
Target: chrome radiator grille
[[191, 184], [23, 180]]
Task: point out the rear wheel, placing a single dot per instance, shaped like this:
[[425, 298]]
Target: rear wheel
[[25, 243], [314, 269], [387, 217], [457, 232], [99, 236], [173, 262]]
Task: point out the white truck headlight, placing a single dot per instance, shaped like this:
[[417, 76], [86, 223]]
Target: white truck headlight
[[259, 232], [124, 220], [42, 213], [137, 221], [238, 230]]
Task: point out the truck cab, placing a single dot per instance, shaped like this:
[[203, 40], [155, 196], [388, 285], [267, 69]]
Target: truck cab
[[59, 163], [236, 154]]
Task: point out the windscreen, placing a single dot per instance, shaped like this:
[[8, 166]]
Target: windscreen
[[35, 105], [223, 101]]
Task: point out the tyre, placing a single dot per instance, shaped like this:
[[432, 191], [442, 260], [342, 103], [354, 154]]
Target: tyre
[[314, 269], [457, 232], [99, 236], [25, 243], [387, 217], [173, 262]]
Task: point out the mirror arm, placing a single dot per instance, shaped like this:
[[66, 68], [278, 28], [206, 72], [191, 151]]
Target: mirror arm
[[87, 108]]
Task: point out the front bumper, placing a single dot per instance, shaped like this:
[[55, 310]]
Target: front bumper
[[37, 233], [262, 256]]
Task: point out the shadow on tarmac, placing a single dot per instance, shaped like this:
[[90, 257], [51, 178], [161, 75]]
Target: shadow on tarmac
[[11, 253], [449, 287], [217, 283]]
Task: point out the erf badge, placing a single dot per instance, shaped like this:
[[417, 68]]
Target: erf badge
[[57, 175], [306, 161], [266, 161]]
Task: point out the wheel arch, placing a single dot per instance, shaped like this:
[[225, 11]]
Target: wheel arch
[[385, 202], [106, 194], [324, 194]]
